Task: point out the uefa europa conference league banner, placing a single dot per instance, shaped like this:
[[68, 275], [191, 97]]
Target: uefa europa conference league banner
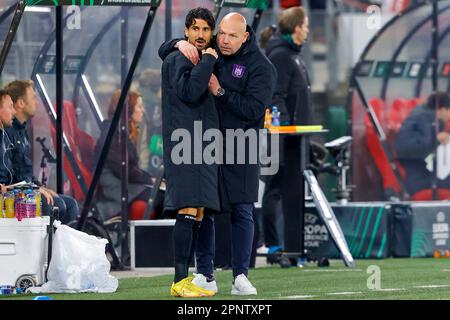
[[381, 230]]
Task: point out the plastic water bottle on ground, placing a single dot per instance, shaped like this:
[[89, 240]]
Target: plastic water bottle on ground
[[275, 116], [268, 119]]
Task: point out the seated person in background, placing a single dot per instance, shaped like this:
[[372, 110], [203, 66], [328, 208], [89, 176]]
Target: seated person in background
[[6, 118], [150, 155], [139, 191], [415, 144], [24, 98]]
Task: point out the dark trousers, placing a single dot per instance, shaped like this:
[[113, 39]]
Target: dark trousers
[[206, 246], [242, 229], [68, 208], [272, 208]]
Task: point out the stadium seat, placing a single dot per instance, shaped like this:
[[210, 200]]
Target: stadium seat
[[390, 183], [397, 6], [427, 195], [82, 146], [414, 102], [398, 112]]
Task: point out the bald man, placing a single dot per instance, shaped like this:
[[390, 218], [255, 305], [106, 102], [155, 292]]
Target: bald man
[[242, 84]]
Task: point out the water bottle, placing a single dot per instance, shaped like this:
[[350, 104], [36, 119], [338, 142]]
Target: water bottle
[[24, 206], [18, 201], [9, 204], [38, 202], [29, 204], [2, 208], [275, 116], [4, 290], [42, 298], [268, 119]]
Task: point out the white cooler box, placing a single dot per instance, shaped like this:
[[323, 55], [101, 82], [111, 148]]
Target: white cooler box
[[23, 251]]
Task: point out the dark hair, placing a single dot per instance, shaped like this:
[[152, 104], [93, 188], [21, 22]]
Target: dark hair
[[18, 89], [443, 100], [291, 18], [265, 35], [3, 93], [200, 13]]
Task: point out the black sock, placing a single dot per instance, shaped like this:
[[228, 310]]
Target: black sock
[[195, 230], [182, 243]]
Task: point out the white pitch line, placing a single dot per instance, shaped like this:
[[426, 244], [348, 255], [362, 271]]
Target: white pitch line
[[432, 286], [297, 297], [390, 289], [337, 270], [363, 293], [343, 293]]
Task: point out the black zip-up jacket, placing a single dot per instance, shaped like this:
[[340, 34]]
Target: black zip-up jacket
[[186, 100], [293, 90], [21, 152], [249, 79], [6, 168]]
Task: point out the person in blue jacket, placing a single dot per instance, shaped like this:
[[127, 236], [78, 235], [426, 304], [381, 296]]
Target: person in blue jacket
[[24, 98], [6, 119]]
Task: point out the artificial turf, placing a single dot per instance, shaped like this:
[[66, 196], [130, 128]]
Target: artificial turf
[[400, 279]]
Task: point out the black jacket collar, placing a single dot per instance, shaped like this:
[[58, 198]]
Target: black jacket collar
[[18, 125], [278, 40]]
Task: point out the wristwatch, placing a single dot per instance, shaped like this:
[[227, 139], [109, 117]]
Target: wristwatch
[[220, 92]]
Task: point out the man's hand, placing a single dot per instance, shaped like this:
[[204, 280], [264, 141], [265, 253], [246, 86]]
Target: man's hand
[[52, 193], [188, 50], [211, 51], [47, 195], [213, 85], [443, 137], [3, 188]]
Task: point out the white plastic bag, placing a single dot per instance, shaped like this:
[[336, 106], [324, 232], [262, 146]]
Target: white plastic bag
[[78, 264]]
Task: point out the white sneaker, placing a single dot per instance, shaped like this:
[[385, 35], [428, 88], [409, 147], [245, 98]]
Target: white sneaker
[[262, 250], [201, 281], [242, 286]]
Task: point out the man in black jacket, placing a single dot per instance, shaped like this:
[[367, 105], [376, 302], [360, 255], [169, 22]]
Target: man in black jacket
[[293, 90], [416, 142], [6, 117], [292, 96], [188, 110], [242, 84], [24, 98]]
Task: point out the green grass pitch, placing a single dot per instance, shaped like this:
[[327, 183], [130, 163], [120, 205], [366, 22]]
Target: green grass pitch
[[399, 278]]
